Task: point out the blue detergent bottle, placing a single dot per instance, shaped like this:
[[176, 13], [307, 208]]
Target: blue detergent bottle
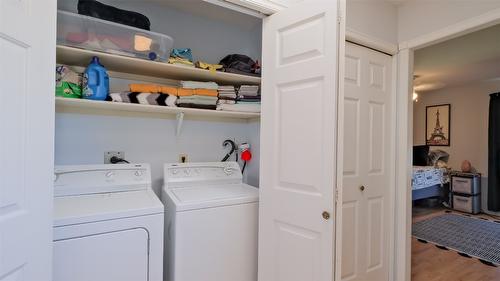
[[96, 81]]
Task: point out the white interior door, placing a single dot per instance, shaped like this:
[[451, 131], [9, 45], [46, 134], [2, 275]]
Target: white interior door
[[27, 65], [298, 125], [368, 188]]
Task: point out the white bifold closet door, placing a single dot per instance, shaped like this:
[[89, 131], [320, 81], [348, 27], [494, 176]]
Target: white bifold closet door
[[368, 165], [27, 81], [298, 125]]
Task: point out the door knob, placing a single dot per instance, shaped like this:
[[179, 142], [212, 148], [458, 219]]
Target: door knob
[[362, 188], [326, 215]]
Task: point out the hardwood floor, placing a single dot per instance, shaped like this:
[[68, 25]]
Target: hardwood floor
[[432, 264]]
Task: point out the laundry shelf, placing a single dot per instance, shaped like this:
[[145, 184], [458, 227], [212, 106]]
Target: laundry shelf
[[82, 105], [118, 63]]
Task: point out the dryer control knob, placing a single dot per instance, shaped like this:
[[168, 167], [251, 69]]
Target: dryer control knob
[[138, 173], [110, 174], [228, 170]]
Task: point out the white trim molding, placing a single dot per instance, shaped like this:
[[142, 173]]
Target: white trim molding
[[404, 142], [266, 7], [370, 41], [394, 171], [340, 142], [234, 5]]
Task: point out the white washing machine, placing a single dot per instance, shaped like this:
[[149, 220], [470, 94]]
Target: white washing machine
[[108, 224], [211, 223]]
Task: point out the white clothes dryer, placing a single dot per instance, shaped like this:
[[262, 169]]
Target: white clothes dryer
[[108, 224]]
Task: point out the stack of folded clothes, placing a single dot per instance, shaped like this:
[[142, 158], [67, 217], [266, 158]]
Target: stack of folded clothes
[[208, 66], [199, 85], [144, 98], [249, 90], [147, 94], [182, 57], [227, 95], [196, 94], [248, 100]]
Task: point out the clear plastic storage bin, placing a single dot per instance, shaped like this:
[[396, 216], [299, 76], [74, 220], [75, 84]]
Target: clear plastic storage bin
[[99, 35]]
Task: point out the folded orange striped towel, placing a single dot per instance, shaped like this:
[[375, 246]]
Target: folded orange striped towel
[[145, 88], [152, 88], [171, 90]]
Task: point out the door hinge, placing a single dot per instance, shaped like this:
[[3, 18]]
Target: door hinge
[[339, 19], [336, 195]]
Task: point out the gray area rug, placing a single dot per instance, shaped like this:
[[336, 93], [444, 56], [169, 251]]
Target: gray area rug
[[467, 235]]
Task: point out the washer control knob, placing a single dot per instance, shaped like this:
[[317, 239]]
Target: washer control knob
[[109, 174], [138, 173], [174, 172]]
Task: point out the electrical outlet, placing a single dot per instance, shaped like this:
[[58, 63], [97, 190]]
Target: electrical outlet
[[109, 154], [183, 158]]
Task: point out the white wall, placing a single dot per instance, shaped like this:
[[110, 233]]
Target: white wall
[[252, 171], [420, 17], [376, 18], [83, 139], [410, 19], [209, 38], [469, 122]]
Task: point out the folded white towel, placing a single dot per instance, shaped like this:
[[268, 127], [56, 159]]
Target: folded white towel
[[240, 107], [199, 85]]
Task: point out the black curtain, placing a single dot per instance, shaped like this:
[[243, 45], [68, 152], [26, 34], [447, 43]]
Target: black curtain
[[494, 154]]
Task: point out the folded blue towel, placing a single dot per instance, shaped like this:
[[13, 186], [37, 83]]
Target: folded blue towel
[[182, 53]]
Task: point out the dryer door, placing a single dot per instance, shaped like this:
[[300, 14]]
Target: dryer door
[[120, 255]]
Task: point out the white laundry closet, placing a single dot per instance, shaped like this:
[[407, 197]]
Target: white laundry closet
[[152, 136]]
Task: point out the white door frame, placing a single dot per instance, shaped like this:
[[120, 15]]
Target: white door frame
[[405, 129], [390, 49]]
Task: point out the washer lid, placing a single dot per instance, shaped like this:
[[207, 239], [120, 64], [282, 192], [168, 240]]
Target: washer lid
[[200, 197], [80, 209]]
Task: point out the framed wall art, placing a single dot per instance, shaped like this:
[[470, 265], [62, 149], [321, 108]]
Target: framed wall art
[[437, 125]]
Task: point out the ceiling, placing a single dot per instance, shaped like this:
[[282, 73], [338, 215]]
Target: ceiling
[[469, 58]]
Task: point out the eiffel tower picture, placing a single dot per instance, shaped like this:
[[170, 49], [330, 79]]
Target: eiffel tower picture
[[438, 132]]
